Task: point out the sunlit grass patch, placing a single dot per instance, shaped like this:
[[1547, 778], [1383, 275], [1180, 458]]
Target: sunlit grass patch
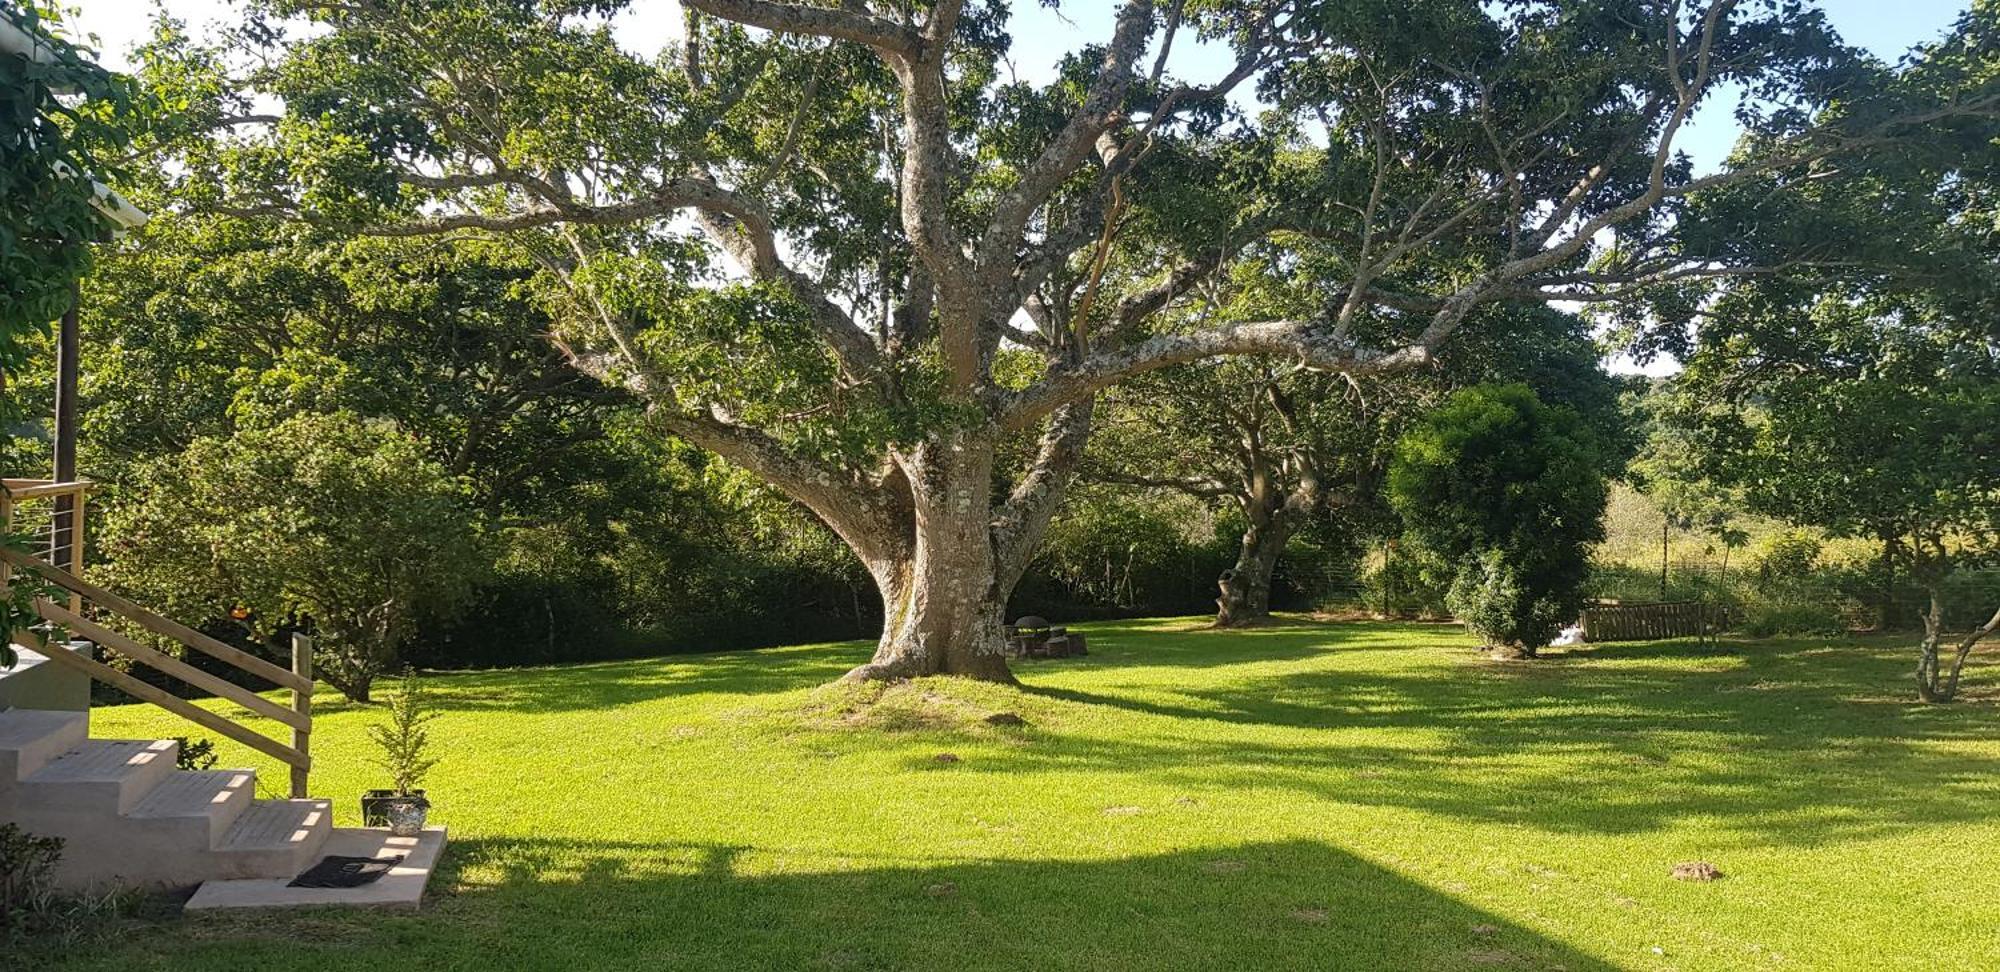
[[1298, 796]]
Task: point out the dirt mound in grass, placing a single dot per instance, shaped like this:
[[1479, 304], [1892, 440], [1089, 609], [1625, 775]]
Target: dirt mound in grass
[[923, 705]]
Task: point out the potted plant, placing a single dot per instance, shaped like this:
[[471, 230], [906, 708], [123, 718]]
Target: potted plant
[[405, 745]]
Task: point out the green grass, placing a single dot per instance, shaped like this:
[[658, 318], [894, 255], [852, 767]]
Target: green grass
[[1303, 796]]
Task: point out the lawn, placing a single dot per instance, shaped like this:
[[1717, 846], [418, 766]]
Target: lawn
[[1303, 796]]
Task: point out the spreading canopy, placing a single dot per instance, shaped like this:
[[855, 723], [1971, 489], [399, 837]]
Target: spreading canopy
[[811, 236]]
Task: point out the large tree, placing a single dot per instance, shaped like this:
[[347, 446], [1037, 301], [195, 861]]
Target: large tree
[[898, 214], [1873, 416]]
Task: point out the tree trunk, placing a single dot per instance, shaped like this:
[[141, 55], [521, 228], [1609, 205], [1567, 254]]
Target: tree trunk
[[1246, 587], [1930, 688], [355, 685], [942, 596], [1934, 682]]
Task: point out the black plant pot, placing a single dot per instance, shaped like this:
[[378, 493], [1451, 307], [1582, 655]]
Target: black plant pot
[[372, 812]]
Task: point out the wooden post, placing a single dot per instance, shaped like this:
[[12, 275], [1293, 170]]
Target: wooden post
[[6, 514], [77, 501], [62, 532], [302, 703]]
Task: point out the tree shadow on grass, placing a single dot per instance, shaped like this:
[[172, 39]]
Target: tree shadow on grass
[[559, 904], [757, 671], [1192, 643], [599, 685], [603, 685], [1796, 743]]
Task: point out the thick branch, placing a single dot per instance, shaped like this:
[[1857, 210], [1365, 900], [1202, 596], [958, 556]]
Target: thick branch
[[864, 521], [1196, 486], [1067, 150], [752, 243], [1020, 522], [883, 35], [1297, 339], [674, 196]]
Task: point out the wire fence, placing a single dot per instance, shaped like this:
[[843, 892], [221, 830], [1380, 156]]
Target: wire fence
[[1824, 600]]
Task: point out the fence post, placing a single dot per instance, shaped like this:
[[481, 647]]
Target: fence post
[[302, 703]]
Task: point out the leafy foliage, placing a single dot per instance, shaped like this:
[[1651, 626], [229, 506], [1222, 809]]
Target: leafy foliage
[[1506, 495], [35, 920], [325, 521], [66, 118], [1864, 397]]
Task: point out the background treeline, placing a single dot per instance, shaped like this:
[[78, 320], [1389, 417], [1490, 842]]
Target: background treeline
[[598, 537]]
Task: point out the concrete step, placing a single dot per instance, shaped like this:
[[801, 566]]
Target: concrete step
[[205, 802], [274, 838], [402, 887], [96, 774], [29, 738]]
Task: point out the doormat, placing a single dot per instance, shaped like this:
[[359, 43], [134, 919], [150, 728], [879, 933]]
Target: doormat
[[345, 872]]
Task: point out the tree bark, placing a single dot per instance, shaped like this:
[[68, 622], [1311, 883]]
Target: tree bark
[[942, 595], [1246, 587], [1934, 682]]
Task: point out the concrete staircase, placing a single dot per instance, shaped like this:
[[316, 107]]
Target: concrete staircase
[[129, 818]]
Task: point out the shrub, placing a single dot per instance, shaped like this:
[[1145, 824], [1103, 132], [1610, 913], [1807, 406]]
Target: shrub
[[26, 864], [1494, 597], [33, 917], [1787, 554], [195, 754], [332, 522], [1506, 495]]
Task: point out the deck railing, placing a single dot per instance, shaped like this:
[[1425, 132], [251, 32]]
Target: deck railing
[[89, 614], [51, 515]]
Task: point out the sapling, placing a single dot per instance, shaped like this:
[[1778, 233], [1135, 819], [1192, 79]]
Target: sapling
[[404, 740]]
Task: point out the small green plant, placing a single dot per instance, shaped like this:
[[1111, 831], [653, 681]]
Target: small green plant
[[404, 740], [195, 755], [31, 911]]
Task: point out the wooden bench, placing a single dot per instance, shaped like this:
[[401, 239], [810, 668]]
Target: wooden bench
[[1034, 637]]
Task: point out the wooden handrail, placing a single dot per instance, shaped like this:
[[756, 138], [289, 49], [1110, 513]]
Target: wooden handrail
[[168, 701], [22, 489], [170, 665], [68, 527], [158, 625]]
